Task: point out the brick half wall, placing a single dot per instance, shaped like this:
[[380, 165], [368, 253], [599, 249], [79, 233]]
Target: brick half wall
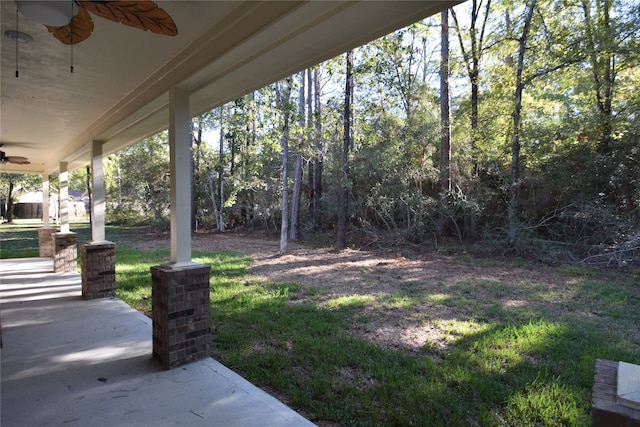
[[65, 256], [98, 270], [605, 410], [45, 242], [180, 314]]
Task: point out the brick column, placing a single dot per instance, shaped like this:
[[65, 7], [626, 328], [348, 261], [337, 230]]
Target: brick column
[[65, 256], [605, 409], [98, 270], [45, 242], [180, 314]]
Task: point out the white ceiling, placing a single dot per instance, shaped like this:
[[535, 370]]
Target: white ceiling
[[118, 92]]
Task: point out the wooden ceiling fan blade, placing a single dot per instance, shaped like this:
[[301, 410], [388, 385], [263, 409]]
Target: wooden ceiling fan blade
[[141, 14], [76, 31], [18, 160]]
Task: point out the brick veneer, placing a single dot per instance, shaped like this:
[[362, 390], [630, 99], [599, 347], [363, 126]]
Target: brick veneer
[[65, 256], [605, 410], [45, 242], [180, 314], [98, 270]]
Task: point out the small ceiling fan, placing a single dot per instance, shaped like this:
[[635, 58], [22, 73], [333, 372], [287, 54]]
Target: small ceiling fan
[[18, 160], [69, 21]]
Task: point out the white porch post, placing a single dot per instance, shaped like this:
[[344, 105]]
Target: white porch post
[[64, 198], [45, 200], [99, 255], [98, 193], [180, 169], [65, 253], [180, 289], [45, 234]]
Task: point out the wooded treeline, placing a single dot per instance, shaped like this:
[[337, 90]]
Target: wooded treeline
[[544, 139]]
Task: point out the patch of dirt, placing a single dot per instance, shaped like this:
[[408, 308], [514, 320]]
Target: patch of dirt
[[412, 297]]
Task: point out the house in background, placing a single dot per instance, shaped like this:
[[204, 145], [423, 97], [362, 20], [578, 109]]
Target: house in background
[[29, 205]]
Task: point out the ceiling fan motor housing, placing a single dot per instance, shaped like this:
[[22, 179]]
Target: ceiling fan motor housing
[[56, 13]]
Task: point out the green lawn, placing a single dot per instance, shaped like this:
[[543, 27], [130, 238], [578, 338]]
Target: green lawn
[[517, 368], [523, 366]]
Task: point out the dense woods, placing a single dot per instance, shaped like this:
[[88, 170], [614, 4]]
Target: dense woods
[[541, 138]]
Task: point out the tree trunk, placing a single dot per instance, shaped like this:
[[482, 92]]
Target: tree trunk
[[319, 148], [10, 202], [198, 141], [341, 239], [220, 212], [599, 40], [472, 63], [294, 231], [310, 172], [118, 182], [89, 196], [192, 167], [212, 196], [445, 125], [515, 146], [282, 97], [195, 166], [164, 223]]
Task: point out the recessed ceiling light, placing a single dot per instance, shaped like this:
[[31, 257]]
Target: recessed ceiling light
[[18, 36]]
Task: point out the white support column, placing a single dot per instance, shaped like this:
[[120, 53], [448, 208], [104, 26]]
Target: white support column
[[64, 198], [45, 200], [179, 148], [98, 193]]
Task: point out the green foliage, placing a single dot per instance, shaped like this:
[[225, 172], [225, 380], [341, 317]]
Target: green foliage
[[571, 188], [137, 183]]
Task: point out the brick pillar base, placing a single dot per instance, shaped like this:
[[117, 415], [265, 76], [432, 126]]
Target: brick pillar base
[[45, 242], [65, 256], [605, 409], [98, 270], [180, 314]]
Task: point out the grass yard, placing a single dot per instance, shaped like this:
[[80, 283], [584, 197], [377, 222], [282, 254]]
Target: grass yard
[[20, 239], [499, 352], [498, 367]]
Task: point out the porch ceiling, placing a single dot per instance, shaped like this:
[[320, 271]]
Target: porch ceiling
[[118, 92]]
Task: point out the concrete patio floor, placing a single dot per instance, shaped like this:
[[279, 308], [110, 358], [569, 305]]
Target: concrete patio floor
[[67, 361]]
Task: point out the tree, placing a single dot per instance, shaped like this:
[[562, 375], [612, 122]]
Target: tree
[[319, 149], [515, 147], [9, 209], [445, 124], [193, 159], [219, 213], [341, 238], [15, 183], [294, 232], [89, 195], [600, 42], [472, 56], [283, 92], [143, 185], [611, 43]]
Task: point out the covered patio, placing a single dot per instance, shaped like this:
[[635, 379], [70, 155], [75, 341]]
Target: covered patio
[[66, 361]]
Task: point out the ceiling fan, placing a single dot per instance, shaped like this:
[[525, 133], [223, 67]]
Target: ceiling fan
[[69, 21], [18, 160]]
